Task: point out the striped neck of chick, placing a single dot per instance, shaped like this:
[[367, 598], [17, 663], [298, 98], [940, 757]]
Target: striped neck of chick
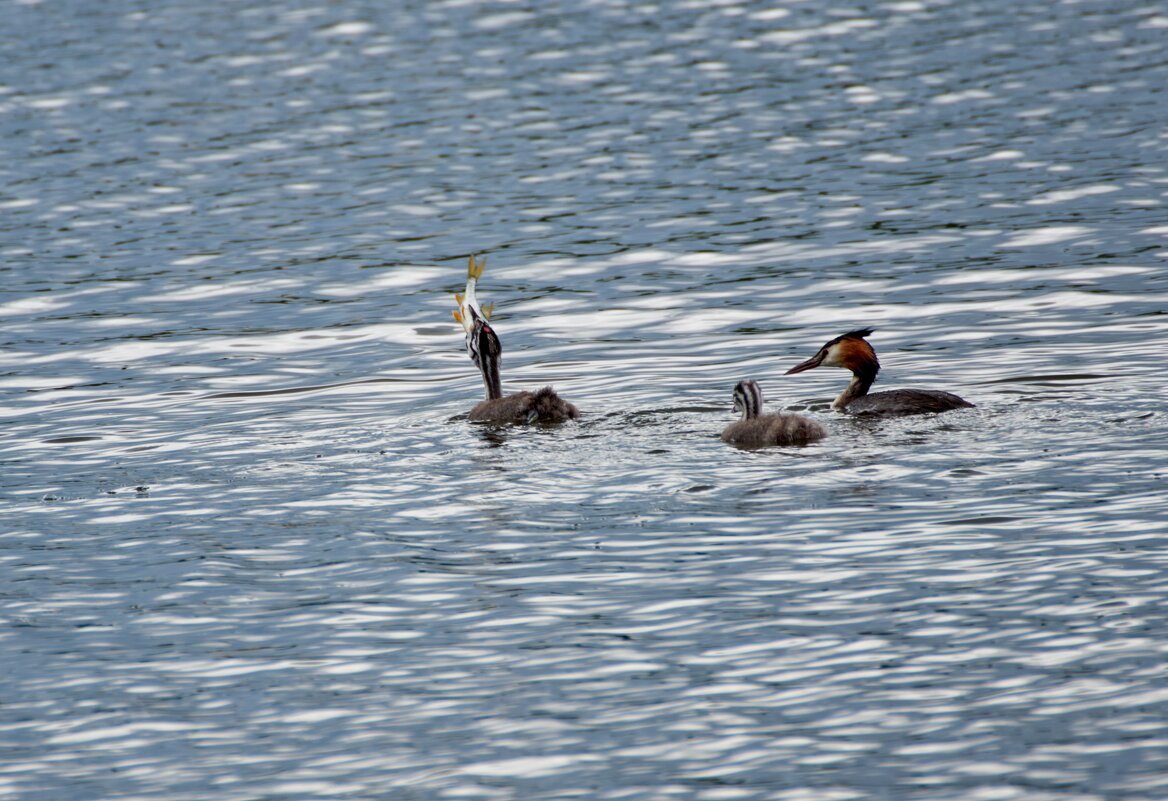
[[486, 351], [748, 399]]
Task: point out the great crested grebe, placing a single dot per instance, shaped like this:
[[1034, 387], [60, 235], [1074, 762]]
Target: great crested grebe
[[852, 352], [482, 343], [758, 431]]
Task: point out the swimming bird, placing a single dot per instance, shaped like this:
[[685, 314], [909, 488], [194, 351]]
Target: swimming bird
[[486, 351], [852, 352], [758, 431]]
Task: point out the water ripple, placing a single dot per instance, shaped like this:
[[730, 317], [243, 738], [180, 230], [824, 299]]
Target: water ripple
[[253, 549]]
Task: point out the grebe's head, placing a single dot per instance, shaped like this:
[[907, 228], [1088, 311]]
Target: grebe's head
[[747, 399], [850, 351], [465, 314]]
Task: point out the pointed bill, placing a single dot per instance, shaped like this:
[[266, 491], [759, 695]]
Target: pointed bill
[[811, 363]]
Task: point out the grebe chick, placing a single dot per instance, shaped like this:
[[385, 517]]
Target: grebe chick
[[852, 352], [482, 343], [759, 431], [543, 406]]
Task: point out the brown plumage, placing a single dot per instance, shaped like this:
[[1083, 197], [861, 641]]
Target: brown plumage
[[851, 351], [760, 431], [542, 406]]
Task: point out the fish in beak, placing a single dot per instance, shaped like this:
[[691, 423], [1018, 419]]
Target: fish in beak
[[469, 309]]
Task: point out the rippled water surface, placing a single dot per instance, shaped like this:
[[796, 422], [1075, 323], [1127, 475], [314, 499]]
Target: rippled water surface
[[252, 549]]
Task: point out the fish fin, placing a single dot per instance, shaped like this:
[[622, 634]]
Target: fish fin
[[474, 267], [458, 315], [488, 310]]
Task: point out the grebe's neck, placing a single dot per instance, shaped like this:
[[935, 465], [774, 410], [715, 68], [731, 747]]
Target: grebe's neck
[[749, 397], [492, 383], [863, 377], [487, 352]]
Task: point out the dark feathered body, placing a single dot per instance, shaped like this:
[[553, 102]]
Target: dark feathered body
[[906, 401], [756, 430], [773, 429], [544, 406]]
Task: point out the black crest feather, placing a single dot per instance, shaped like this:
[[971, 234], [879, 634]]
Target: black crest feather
[[859, 333]]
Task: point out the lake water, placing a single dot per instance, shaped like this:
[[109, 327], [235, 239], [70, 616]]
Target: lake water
[[250, 548]]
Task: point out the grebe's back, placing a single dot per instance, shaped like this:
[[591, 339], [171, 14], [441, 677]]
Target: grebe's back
[[906, 401]]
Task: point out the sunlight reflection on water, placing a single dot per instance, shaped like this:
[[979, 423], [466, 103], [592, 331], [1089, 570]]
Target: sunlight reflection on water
[[253, 549]]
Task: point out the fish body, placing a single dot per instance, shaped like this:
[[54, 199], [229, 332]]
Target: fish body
[[468, 305]]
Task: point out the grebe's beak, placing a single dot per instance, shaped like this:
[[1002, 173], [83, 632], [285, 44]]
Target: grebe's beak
[[810, 364]]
